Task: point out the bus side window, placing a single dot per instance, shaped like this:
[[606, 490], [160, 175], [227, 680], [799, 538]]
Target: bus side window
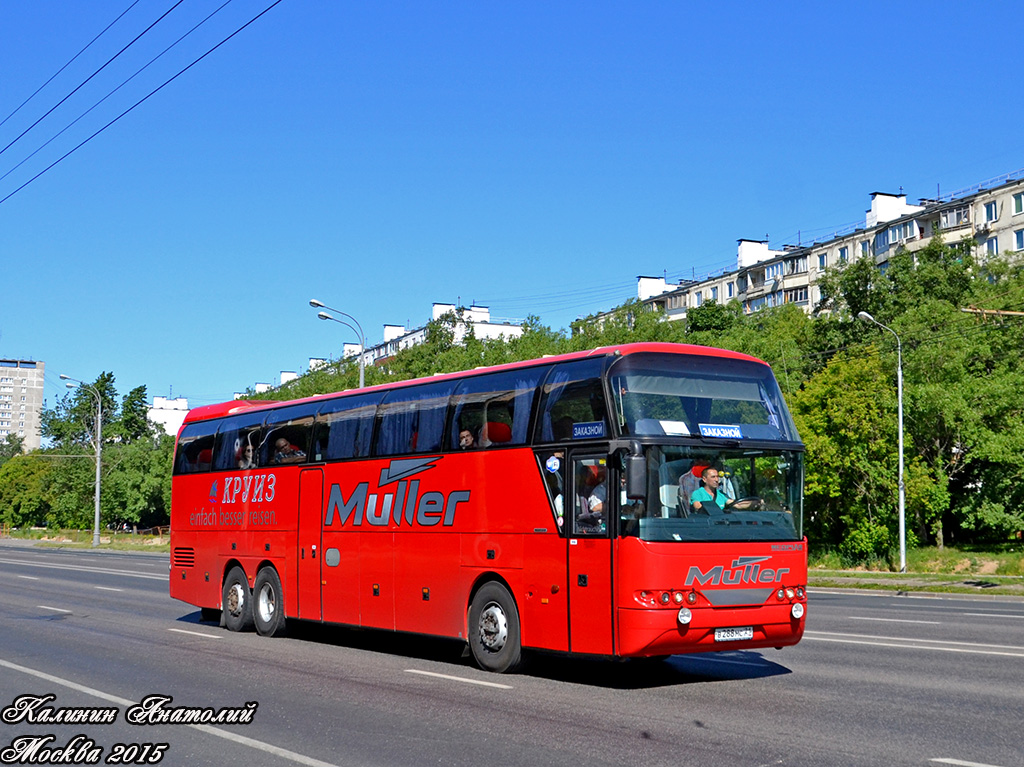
[[344, 427], [412, 420], [590, 502], [552, 469], [494, 408], [573, 395], [195, 448], [288, 435], [234, 434]]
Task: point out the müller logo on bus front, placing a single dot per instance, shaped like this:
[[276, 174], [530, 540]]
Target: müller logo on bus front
[[404, 503]]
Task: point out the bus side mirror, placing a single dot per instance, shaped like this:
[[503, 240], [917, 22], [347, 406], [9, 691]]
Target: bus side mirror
[[636, 477]]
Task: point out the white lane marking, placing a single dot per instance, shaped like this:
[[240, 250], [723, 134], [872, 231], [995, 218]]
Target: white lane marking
[[961, 763], [55, 609], [29, 577], [459, 679], [208, 729], [992, 615], [107, 588], [196, 633], [104, 570], [892, 620], [917, 644]]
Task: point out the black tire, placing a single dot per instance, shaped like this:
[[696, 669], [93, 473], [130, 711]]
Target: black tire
[[268, 603], [494, 629], [237, 601]]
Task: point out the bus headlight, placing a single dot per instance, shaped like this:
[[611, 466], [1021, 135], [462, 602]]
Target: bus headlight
[[685, 616], [797, 610]]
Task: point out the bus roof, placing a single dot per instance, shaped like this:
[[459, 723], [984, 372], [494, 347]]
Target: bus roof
[[206, 412]]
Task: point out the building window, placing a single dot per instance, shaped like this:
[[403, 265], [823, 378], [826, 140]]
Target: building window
[[714, 294], [730, 290], [1018, 203], [1018, 239], [823, 260], [954, 217], [797, 295], [992, 246], [699, 297], [865, 248], [796, 265], [991, 211]]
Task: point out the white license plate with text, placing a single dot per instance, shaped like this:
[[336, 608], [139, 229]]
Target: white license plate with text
[[734, 634]]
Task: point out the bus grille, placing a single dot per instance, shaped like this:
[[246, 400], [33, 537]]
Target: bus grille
[[183, 558]]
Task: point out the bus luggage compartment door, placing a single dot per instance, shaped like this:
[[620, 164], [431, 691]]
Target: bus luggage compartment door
[[310, 553]]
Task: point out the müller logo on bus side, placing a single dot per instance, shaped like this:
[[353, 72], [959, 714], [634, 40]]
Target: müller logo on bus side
[[405, 503], [742, 570]]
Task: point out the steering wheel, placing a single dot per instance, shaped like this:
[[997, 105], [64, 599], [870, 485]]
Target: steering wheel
[[749, 503]]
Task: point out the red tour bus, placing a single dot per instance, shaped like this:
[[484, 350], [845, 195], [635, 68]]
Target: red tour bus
[[632, 501]]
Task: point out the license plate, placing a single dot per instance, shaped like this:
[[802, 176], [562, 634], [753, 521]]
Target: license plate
[[734, 634]]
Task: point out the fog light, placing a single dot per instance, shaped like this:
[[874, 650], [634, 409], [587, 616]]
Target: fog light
[[800, 592], [685, 616], [692, 597], [677, 597], [790, 593], [798, 610], [780, 594], [664, 597]]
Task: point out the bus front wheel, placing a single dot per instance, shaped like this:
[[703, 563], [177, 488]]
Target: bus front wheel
[[494, 629], [237, 601], [268, 603]]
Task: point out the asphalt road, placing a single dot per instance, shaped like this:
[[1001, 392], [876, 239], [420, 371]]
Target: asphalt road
[[878, 680]]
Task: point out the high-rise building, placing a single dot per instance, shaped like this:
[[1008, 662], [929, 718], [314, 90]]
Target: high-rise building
[[21, 400]]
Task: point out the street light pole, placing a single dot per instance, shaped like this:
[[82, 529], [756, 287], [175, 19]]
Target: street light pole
[[899, 406], [357, 328], [99, 448]]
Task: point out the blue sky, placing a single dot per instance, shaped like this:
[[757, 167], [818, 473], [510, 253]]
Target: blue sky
[[532, 157]]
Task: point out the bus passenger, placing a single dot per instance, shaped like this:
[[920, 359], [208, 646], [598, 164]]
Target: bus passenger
[[466, 440], [247, 458], [286, 452]]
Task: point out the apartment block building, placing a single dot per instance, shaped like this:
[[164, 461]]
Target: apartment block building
[[21, 400], [990, 216]]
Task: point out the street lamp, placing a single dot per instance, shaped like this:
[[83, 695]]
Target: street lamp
[[357, 328], [99, 447], [899, 406]]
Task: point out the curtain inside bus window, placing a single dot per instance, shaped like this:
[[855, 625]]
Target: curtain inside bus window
[[195, 448], [573, 396], [412, 420], [344, 428], [235, 436], [506, 399]]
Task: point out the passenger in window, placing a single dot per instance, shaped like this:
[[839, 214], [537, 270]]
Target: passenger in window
[[247, 457], [286, 452], [466, 440], [593, 499]]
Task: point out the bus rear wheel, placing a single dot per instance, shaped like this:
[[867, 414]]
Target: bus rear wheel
[[494, 629], [268, 603], [237, 601]]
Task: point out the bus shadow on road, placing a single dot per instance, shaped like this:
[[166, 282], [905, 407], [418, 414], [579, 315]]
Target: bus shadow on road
[[633, 674], [643, 673]]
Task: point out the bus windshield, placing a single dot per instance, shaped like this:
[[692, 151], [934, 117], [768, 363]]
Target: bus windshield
[[757, 498], [702, 396]]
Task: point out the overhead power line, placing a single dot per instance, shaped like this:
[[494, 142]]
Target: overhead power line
[[145, 98], [69, 63], [86, 80]]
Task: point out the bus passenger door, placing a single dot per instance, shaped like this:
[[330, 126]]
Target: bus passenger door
[[590, 556], [310, 548]]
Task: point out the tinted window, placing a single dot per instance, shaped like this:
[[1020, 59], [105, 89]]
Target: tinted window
[[237, 438], [195, 448], [494, 409], [572, 402], [412, 420], [288, 434], [344, 428]]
